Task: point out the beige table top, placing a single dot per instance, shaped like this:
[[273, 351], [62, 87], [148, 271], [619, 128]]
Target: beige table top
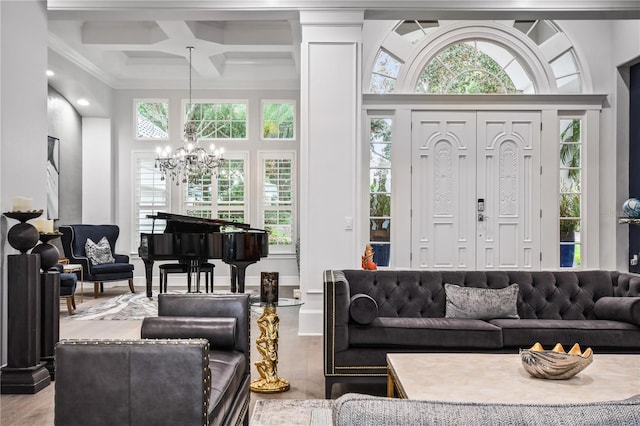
[[500, 378]]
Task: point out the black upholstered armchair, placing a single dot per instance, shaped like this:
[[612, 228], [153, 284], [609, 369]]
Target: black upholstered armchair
[[74, 239], [190, 367]]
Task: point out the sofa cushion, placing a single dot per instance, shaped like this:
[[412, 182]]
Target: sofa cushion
[[481, 303], [619, 309], [100, 252], [588, 333], [228, 369], [363, 308], [220, 332], [426, 332]]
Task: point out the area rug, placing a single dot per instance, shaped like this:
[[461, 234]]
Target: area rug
[[290, 412], [128, 306]]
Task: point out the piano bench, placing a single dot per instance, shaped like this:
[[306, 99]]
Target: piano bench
[[184, 268]]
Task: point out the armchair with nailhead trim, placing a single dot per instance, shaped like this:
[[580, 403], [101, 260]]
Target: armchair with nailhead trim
[[190, 367]]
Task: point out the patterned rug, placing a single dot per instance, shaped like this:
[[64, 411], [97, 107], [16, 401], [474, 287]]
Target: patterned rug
[[290, 412], [128, 306]]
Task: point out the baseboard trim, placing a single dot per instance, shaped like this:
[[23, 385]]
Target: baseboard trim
[[310, 322]]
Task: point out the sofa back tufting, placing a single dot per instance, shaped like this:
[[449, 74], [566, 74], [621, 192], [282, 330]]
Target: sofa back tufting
[[566, 295]]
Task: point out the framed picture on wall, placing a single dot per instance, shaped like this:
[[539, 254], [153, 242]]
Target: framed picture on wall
[[53, 177]]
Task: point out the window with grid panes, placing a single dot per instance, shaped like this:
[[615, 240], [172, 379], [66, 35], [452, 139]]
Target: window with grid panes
[[218, 120], [278, 198], [570, 192], [278, 120], [198, 196], [232, 191], [150, 196], [380, 189], [151, 119]]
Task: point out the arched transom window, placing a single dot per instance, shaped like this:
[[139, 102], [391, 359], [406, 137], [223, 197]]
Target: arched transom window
[[477, 62], [474, 67]]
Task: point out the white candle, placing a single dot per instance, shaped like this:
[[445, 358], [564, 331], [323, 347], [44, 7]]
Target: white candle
[[44, 226], [22, 204]]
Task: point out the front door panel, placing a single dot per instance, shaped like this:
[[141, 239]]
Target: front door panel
[[460, 158], [443, 183]]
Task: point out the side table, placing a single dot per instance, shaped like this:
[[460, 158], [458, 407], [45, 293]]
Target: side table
[[267, 345], [76, 267]]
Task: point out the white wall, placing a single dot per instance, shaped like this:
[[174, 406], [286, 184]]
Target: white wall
[[127, 145], [97, 172], [23, 120], [66, 124]]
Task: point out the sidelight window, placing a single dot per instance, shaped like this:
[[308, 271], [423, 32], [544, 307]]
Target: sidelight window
[[380, 189], [570, 192]]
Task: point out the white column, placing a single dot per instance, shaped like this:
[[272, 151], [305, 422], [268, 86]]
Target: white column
[[330, 161], [23, 120]]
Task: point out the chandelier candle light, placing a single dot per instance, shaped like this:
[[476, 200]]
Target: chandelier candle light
[[190, 161]]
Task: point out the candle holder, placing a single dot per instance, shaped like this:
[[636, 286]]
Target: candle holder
[[269, 287], [49, 254], [23, 236]]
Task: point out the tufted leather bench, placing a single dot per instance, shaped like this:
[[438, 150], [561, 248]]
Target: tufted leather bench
[[597, 309]]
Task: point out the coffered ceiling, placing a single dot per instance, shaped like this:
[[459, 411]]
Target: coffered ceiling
[[142, 44], [257, 51]]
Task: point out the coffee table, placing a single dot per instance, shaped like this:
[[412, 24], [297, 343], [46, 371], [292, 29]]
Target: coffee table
[[500, 378]]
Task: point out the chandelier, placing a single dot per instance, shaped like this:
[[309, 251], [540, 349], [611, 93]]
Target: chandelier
[[189, 162]]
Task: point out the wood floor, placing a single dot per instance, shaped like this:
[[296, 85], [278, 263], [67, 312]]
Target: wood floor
[[300, 362]]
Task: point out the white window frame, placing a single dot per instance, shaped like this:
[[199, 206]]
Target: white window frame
[[135, 225], [279, 155], [245, 102], [136, 101], [295, 118]]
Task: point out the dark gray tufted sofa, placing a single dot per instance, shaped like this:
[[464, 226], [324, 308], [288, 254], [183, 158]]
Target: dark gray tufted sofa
[[597, 309], [191, 367]]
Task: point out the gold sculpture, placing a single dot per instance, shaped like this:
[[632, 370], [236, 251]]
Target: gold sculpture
[[267, 345]]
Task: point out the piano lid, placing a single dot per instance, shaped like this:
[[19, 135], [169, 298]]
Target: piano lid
[[183, 223]]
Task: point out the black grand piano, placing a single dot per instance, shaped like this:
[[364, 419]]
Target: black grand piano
[[187, 238]]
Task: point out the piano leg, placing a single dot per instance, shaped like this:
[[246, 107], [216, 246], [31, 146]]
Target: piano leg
[[238, 270], [148, 273], [234, 278]]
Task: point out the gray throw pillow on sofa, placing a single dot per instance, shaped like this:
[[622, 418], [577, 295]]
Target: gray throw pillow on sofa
[[481, 303], [363, 308]]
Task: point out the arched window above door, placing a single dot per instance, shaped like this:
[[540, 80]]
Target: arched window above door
[[447, 57], [474, 67]]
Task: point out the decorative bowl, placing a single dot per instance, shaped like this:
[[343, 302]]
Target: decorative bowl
[[555, 364]]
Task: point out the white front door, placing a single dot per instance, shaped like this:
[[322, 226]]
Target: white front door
[[475, 190]]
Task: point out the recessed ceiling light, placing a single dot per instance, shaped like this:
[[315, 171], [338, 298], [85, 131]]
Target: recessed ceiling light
[[50, 73], [83, 102]]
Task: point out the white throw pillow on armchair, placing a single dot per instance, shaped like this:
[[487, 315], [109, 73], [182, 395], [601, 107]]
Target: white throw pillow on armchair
[[100, 252]]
